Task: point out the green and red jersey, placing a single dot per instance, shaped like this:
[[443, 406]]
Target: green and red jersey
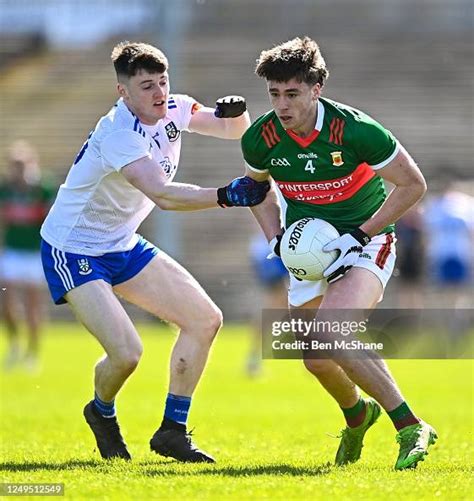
[[331, 174], [22, 211]]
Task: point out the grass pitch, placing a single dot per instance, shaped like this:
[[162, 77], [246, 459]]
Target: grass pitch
[[271, 436]]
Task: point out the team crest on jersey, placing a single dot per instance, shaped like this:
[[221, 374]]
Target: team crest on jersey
[[84, 266], [337, 160], [167, 166], [172, 132]]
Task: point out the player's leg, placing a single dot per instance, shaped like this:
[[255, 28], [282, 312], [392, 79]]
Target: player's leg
[[168, 291], [359, 413], [372, 374], [34, 307], [33, 316], [165, 289], [98, 309], [10, 314], [331, 376]]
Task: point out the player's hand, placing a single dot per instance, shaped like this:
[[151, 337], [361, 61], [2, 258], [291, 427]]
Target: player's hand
[[242, 192], [350, 245], [230, 107]]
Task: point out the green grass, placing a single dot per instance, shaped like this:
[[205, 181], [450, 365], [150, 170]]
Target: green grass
[[271, 436]]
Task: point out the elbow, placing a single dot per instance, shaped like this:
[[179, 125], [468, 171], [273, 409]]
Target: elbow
[[421, 187], [162, 203]]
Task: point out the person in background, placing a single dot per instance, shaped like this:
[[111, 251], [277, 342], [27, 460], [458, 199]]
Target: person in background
[[411, 258], [449, 223], [272, 278], [24, 203]]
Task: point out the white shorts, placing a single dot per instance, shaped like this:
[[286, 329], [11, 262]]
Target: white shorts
[[378, 257], [22, 267]]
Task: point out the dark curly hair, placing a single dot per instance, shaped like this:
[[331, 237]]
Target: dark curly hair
[[299, 58]]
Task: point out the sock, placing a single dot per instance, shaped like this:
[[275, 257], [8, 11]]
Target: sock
[[402, 416], [176, 411], [105, 409], [355, 415]]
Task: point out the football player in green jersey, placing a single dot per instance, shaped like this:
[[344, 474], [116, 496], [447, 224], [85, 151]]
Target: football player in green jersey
[[24, 202], [329, 161]]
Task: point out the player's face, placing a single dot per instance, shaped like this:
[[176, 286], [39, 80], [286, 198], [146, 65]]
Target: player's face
[[146, 95], [295, 104]]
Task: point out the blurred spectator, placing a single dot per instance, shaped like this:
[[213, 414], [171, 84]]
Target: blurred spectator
[[24, 202], [272, 277], [411, 258], [449, 222]]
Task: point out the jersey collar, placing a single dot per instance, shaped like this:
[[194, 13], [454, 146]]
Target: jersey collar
[[306, 141]]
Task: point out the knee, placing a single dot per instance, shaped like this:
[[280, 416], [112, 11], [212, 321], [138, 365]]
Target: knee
[[318, 367], [210, 323], [215, 322], [127, 361]]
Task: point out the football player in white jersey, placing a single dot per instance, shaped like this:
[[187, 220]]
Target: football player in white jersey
[[91, 252]]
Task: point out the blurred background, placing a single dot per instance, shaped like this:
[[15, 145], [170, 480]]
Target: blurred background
[[408, 63]]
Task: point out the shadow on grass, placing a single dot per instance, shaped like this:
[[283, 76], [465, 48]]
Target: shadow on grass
[[171, 468], [288, 470], [47, 466]]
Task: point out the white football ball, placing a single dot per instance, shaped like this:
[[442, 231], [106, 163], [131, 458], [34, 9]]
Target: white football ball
[[302, 245]]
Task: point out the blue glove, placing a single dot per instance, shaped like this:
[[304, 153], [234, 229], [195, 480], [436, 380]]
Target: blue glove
[[350, 245], [242, 192]]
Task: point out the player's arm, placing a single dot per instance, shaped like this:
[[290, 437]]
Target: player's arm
[[410, 186], [147, 176], [267, 213], [229, 120]]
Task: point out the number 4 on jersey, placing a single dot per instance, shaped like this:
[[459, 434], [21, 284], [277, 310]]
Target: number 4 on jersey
[[310, 167]]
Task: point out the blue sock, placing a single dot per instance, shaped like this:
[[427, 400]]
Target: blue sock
[[105, 409], [177, 408]]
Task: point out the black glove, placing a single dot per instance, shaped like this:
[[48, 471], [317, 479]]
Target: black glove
[[230, 107], [242, 192]]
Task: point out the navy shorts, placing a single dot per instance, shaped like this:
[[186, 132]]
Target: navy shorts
[[65, 271]]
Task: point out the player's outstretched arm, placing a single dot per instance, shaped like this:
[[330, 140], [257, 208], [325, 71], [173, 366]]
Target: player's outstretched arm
[[229, 120], [147, 176]]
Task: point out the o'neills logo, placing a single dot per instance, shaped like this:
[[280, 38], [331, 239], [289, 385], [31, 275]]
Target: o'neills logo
[[327, 192], [297, 232]]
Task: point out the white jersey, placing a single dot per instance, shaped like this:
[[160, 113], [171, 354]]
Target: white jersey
[[97, 210]]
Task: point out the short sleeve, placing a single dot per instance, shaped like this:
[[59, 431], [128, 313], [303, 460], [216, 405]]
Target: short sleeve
[[183, 107], [249, 147], [373, 143], [123, 147]]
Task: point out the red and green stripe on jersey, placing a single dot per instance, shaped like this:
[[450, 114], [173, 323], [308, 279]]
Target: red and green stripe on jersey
[[22, 212], [331, 174], [269, 134]]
